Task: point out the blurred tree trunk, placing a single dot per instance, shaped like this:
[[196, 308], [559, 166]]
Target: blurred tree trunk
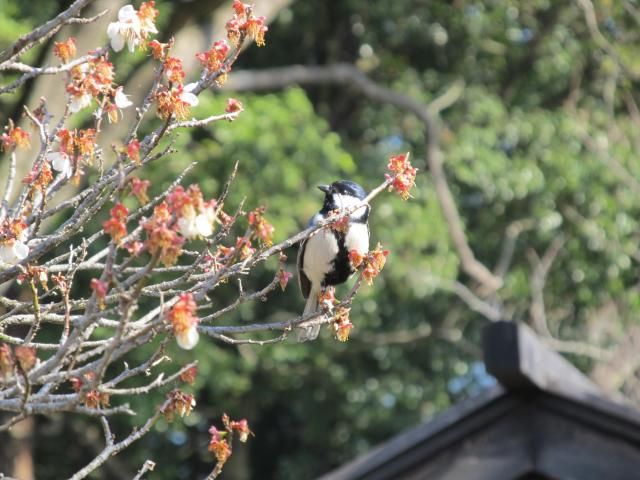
[[20, 451]]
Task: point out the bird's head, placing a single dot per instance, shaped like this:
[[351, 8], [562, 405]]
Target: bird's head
[[344, 194]]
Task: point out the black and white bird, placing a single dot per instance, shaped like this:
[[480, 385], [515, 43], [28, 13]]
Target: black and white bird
[[323, 258]]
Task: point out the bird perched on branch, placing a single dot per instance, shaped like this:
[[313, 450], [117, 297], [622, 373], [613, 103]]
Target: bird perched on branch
[[323, 258]]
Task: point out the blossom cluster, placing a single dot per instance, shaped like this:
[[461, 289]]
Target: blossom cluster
[[213, 59], [342, 324], [22, 357], [100, 289], [14, 137], [38, 178], [220, 441], [184, 215], [180, 403], [88, 81], [283, 278], [244, 24], [133, 150], [184, 321], [163, 241], [33, 274], [139, 189], [196, 217], [26, 357], [262, 229], [13, 238], [341, 225], [189, 375], [327, 298], [133, 27], [66, 50], [116, 226], [92, 80], [175, 99], [92, 398], [372, 263], [75, 148], [403, 175]]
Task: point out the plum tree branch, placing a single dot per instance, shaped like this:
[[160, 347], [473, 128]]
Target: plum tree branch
[[43, 32]]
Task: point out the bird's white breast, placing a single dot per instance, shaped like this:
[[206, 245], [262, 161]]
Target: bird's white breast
[[357, 238], [320, 250]]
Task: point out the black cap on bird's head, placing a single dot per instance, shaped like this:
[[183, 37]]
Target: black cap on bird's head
[[341, 194], [344, 187]]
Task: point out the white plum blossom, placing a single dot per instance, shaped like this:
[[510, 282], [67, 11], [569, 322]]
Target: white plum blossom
[[194, 224], [78, 102], [126, 30], [131, 28], [206, 219], [121, 100], [81, 99], [188, 339], [203, 225], [61, 162], [187, 224], [15, 250], [187, 97]]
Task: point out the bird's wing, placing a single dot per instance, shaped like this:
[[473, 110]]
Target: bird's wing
[[303, 280]]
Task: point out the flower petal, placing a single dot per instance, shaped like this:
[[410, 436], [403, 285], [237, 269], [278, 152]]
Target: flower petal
[[189, 98], [121, 100], [112, 30], [187, 227], [188, 339], [21, 251], [127, 14], [60, 162], [132, 42], [203, 225], [189, 87], [78, 103], [6, 255], [117, 41]]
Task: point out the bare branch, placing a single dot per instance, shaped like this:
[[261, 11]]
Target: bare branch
[[8, 186], [42, 33], [114, 448], [205, 121], [540, 270], [148, 466], [31, 72]]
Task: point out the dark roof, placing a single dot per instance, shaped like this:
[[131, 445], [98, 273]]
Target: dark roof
[[545, 420]]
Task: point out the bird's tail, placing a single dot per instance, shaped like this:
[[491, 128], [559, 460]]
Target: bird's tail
[[309, 332]]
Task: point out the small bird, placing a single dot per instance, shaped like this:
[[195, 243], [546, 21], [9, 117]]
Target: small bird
[[323, 258]]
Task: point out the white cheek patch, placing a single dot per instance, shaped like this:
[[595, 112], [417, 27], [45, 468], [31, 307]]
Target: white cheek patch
[[349, 201]]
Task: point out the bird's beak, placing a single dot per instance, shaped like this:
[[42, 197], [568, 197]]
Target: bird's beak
[[325, 188]]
